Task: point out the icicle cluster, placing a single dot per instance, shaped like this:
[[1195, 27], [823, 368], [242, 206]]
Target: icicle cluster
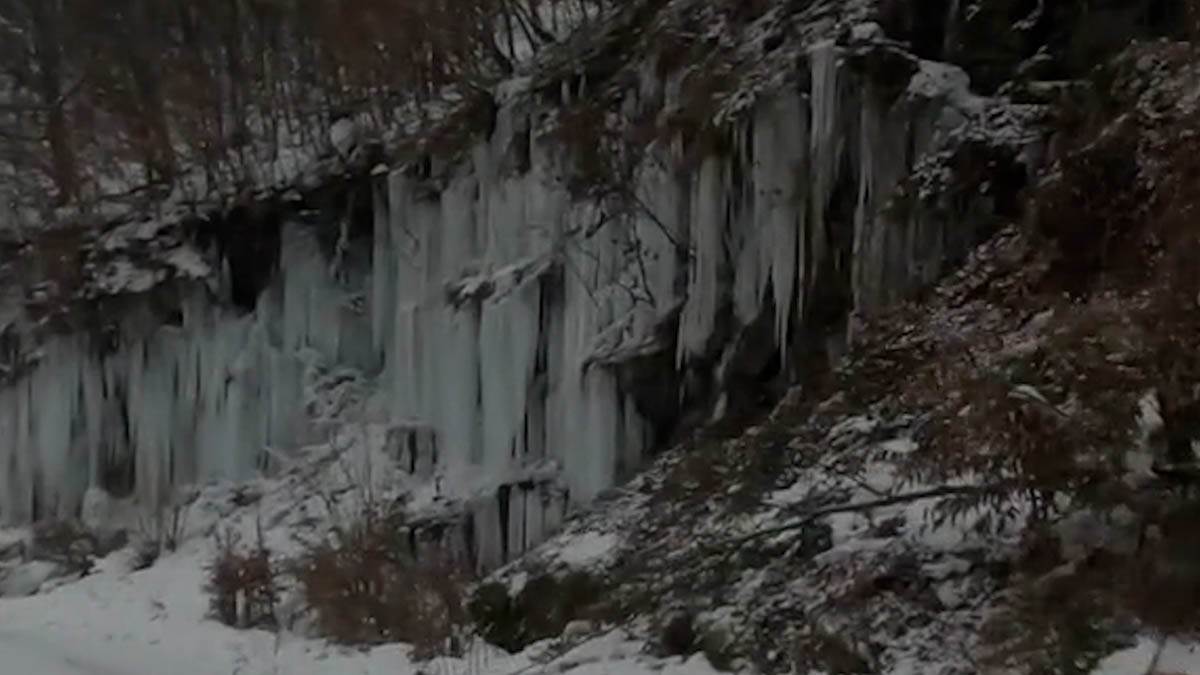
[[154, 406]]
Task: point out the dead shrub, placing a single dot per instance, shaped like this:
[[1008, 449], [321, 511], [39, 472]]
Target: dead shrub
[[594, 149], [541, 610], [1060, 624], [820, 650], [701, 473], [678, 636], [1121, 207], [1026, 370], [67, 544], [242, 585], [1065, 617], [1160, 585], [365, 588], [1092, 209], [1057, 420], [161, 532]]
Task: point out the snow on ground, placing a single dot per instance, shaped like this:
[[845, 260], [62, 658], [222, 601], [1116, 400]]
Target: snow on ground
[[587, 548], [1153, 657], [153, 621], [117, 621]]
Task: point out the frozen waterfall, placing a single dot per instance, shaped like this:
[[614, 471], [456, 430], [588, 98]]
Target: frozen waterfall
[[500, 311]]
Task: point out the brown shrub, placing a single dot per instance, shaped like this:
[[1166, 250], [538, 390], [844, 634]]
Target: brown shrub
[[1061, 624], [1042, 410], [1093, 208], [242, 583], [1064, 618], [364, 588], [542, 609], [821, 650], [1120, 209]]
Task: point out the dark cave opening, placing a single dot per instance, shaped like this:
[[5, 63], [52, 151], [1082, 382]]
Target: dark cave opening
[[248, 240]]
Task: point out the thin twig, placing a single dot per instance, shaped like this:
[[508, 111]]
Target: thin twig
[[1152, 668]]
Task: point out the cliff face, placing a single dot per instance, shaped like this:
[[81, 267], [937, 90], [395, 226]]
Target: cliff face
[[628, 245]]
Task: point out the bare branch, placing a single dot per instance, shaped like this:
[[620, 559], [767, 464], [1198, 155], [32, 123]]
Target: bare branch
[[858, 507]]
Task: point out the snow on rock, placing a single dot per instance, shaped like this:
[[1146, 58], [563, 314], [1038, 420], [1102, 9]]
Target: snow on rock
[[760, 595], [26, 578], [587, 549], [343, 135]]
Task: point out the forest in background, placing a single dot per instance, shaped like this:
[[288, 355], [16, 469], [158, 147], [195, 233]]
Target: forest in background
[[103, 97]]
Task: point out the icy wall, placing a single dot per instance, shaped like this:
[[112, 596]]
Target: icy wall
[[512, 326], [157, 401]]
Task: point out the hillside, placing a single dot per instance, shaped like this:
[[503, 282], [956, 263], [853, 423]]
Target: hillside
[[777, 337]]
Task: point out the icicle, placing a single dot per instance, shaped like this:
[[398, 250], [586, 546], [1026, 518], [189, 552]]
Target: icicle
[[781, 179], [709, 203], [882, 267], [825, 152], [864, 214], [383, 271], [752, 241]]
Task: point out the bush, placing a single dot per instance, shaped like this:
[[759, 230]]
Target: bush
[[1095, 231], [161, 532], [365, 588], [67, 544], [242, 584], [679, 636], [720, 648], [823, 651], [540, 611]]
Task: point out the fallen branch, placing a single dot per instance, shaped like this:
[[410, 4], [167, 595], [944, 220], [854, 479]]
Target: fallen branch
[[856, 507]]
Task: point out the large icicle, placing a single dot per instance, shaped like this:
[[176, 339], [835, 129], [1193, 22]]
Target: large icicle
[[781, 179], [825, 152], [709, 210]]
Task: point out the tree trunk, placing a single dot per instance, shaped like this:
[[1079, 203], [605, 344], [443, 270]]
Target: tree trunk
[[47, 22], [144, 74]]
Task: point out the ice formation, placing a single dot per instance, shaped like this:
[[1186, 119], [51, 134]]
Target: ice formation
[[499, 313], [153, 406]]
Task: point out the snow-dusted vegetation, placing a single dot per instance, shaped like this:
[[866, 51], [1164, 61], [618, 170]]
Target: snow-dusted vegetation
[[505, 336]]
